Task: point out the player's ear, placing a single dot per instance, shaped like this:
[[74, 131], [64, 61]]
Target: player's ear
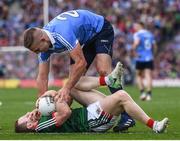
[[29, 125], [42, 39]]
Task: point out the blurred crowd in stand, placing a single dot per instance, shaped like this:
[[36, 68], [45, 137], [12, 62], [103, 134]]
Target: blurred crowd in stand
[[162, 17]]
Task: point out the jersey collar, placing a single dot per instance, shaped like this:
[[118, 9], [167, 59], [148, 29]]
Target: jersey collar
[[142, 30], [50, 36]]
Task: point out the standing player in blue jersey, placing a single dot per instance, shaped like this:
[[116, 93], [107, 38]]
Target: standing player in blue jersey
[[84, 35], [144, 45]]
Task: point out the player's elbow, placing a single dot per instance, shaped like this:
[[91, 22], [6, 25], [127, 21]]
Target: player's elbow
[[83, 62], [85, 65], [67, 113], [64, 116]]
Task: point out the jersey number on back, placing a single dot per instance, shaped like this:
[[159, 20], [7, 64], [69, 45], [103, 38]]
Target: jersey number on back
[[147, 44], [72, 13]]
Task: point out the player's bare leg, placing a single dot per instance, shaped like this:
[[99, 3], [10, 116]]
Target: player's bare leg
[[113, 104], [140, 84], [122, 101], [115, 76], [139, 79], [116, 104], [103, 64], [148, 78], [115, 83], [86, 84]]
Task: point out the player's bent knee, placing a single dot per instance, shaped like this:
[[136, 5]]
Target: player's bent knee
[[73, 91], [103, 69], [123, 95], [102, 72]]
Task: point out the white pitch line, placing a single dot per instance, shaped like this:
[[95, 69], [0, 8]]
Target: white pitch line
[[1, 103], [29, 103]]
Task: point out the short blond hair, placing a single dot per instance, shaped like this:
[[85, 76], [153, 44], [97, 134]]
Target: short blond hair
[[28, 37]]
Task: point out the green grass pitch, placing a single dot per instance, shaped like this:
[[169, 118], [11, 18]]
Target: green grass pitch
[[165, 103]]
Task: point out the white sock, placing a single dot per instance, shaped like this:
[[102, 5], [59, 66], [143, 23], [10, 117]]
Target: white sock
[[108, 82]]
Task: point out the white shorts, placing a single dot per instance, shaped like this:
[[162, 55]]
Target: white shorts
[[99, 120]]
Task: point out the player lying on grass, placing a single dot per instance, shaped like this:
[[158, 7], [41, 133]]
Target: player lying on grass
[[99, 113]]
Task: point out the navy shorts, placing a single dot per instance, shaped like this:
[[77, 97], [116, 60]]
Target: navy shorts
[[102, 42], [144, 65]]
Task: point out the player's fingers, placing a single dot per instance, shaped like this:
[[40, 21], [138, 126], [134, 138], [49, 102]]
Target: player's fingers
[[37, 103], [61, 98], [67, 98], [55, 98], [31, 116]]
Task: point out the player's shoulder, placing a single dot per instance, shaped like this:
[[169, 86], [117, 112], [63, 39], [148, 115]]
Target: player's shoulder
[[136, 34], [144, 32], [149, 34], [58, 26], [51, 25]]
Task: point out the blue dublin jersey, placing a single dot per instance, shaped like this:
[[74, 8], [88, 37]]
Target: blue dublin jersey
[[145, 47], [69, 28]]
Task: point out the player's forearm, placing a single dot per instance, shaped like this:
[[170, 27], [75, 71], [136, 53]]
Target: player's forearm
[[42, 78], [77, 70], [52, 93], [63, 112], [133, 50], [42, 85], [87, 83]]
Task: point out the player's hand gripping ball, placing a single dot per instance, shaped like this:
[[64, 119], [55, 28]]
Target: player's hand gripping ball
[[46, 105]]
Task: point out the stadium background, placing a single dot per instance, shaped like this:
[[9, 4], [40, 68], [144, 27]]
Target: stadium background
[[162, 17], [18, 67]]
